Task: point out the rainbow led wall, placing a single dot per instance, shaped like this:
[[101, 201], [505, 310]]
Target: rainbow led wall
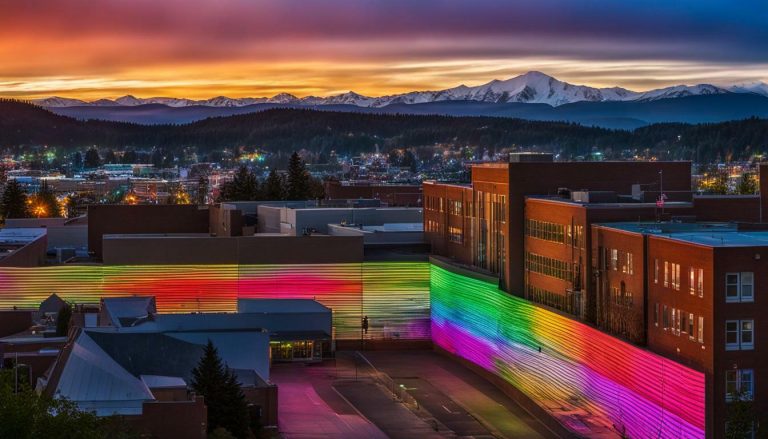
[[570, 369], [394, 295]]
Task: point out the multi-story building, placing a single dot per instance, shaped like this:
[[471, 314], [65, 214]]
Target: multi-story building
[[661, 267], [702, 305], [482, 225]]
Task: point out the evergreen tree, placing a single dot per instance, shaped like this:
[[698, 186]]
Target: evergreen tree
[[77, 160], [298, 178], [45, 204], [63, 319], [24, 414], [227, 407], [130, 157], [157, 158], [741, 417], [316, 189], [14, 201], [243, 187], [747, 184], [110, 157], [273, 187], [177, 194], [92, 159]]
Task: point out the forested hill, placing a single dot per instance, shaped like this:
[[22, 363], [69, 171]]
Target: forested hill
[[292, 129]]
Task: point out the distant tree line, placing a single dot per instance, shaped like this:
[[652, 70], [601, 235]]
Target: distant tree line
[[296, 184], [279, 130]]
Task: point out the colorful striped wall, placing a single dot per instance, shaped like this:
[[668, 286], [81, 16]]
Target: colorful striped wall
[[590, 381], [395, 295]]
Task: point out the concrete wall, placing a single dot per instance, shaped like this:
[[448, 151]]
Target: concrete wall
[[319, 219], [62, 232], [204, 249], [377, 237], [30, 255], [225, 220]]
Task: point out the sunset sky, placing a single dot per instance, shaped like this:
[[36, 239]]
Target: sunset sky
[[198, 49]]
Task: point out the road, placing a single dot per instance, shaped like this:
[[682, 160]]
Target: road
[[452, 393]]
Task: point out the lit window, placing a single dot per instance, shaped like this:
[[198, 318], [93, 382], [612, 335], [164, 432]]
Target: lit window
[[656, 314], [675, 276], [655, 271], [701, 329], [692, 280], [455, 234], [666, 274], [700, 283], [614, 259]]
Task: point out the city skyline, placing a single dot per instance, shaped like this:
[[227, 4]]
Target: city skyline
[[235, 48]]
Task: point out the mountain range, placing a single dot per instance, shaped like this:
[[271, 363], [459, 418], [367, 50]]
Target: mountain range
[[283, 130], [532, 87]]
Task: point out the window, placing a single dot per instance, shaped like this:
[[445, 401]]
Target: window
[[747, 286], [739, 335], [683, 322], [700, 282], [675, 271], [656, 314], [739, 383], [455, 207], [747, 334], [740, 287], [655, 271], [432, 226], [665, 317], [666, 274], [700, 329], [628, 267], [691, 334], [549, 266], [455, 234], [545, 230], [692, 280], [674, 321], [614, 259]]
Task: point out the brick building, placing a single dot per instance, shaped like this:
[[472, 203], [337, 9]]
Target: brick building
[[681, 276], [699, 300], [482, 225]]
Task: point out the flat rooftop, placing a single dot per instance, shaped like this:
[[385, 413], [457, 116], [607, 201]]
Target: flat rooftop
[[608, 204], [707, 234]]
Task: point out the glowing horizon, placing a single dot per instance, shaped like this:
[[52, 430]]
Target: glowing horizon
[[259, 48]]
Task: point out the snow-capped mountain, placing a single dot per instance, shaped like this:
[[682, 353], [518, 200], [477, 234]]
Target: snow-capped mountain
[[55, 101], [756, 87], [680, 91], [532, 87]]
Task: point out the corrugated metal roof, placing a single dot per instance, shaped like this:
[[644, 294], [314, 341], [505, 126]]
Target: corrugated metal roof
[[123, 310], [159, 381], [93, 380]]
